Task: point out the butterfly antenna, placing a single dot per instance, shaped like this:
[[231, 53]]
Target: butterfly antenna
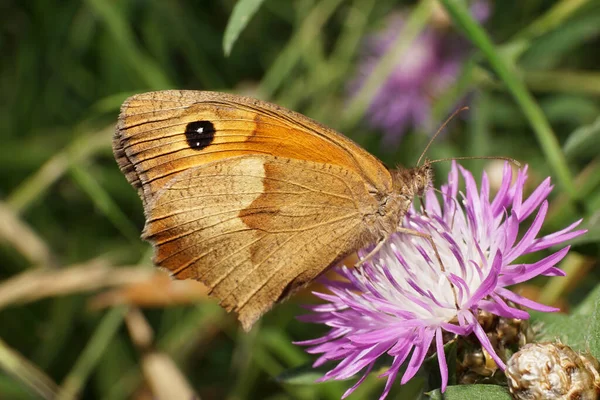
[[510, 160], [441, 128]]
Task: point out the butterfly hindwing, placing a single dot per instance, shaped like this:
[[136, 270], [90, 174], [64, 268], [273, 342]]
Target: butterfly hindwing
[[254, 228]]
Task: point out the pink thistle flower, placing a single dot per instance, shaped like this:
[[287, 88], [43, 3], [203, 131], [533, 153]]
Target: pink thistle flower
[[403, 301]]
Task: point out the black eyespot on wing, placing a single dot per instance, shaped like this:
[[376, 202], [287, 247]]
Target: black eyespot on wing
[[199, 134]]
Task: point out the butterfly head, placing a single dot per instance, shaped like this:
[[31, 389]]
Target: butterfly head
[[412, 182], [422, 179], [407, 183]]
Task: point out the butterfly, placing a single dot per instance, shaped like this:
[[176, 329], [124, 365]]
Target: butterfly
[[252, 199]]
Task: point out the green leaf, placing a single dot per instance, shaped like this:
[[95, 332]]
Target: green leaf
[[568, 329], [589, 314], [581, 330], [587, 306], [432, 367], [584, 142], [462, 392], [242, 12], [593, 330]]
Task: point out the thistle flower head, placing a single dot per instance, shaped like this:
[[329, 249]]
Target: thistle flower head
[[403, 301]]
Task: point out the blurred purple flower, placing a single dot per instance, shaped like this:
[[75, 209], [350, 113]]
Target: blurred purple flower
[[427, 69], [403, 302]]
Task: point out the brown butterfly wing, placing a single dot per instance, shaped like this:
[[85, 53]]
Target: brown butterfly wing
[[254, 228], [160, 134], [243, 195]]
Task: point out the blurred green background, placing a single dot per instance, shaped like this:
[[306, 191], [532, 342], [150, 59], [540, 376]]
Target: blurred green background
[[529, 71]]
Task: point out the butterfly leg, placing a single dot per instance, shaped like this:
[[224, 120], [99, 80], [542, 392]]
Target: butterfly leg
[[429, 238], [370, 255], [423, 208], [408, 232]]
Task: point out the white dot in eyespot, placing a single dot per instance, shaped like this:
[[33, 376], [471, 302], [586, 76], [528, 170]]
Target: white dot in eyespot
[[200, 130], [197, 144]]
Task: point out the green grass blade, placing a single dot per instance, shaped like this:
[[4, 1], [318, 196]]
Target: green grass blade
[[105, 203], [564, 81], [243, 11], [91, 355], [28, 373], [532, 111], [550, 20], [584, 142], [414, 26], [288, 58], [34, 187], [119, 28], [326, 80]]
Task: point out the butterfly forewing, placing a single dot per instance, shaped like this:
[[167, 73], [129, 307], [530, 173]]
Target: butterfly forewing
[[165, 133]]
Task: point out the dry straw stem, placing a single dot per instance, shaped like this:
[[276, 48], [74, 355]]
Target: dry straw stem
[[24, 239], [34, 285], [160, 290], [22, 369], [161, 373]]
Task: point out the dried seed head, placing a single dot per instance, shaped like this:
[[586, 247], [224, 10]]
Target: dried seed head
[[541, 371], [506, 335]]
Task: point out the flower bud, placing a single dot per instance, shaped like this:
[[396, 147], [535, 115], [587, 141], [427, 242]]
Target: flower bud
[[544, 371]]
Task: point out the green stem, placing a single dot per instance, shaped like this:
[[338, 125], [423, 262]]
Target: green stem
[[386, 65], [546, 137]]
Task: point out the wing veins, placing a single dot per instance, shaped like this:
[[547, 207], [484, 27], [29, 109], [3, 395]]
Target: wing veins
[[180, 250], [238, 210], [274, 272], [318, 206], [122, 126], [173, 172], [272, 179], [193, 231], [230, 256]]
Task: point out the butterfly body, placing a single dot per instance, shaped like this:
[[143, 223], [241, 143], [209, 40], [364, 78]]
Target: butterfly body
[[250, 198]]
